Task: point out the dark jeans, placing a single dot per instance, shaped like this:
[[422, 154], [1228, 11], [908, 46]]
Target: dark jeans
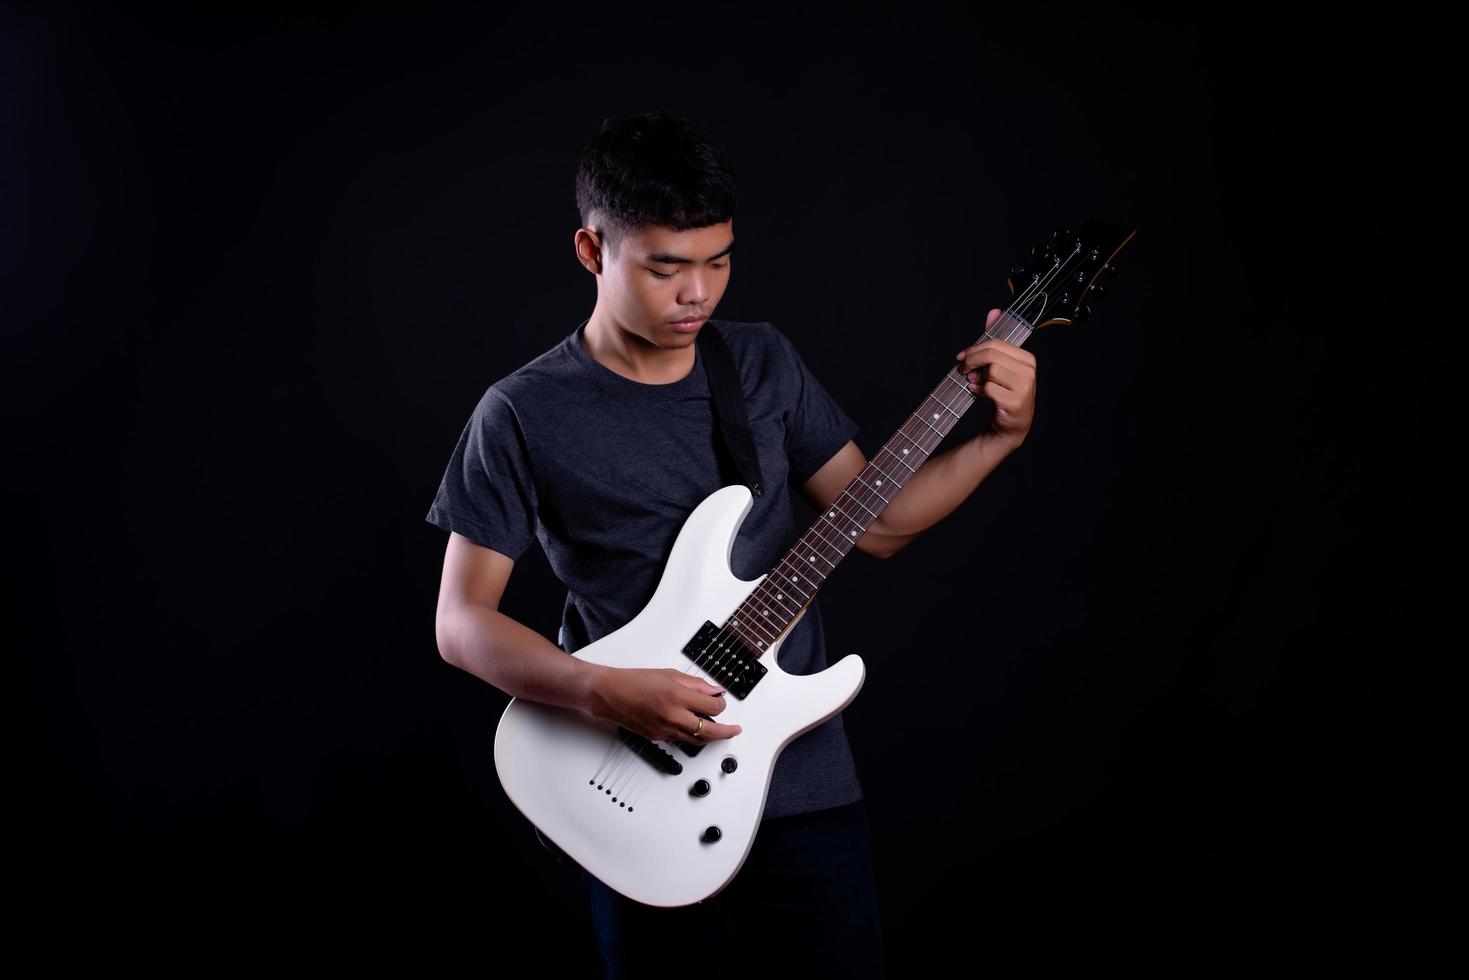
[[803, 900]]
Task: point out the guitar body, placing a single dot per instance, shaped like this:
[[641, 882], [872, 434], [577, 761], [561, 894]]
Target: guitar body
[[638, 828]]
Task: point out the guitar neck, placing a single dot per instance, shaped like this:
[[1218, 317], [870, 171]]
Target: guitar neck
[[794, 581]]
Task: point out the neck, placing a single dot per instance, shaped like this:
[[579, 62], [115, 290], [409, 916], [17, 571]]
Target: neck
[[634, 356]]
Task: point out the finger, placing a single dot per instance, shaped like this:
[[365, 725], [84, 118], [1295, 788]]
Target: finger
[[713, 730], [995, 344], [1006, 375], [695, 683], [989, 353], [703, 697]]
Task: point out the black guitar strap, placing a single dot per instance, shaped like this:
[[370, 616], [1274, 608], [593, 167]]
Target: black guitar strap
[[729, 408]]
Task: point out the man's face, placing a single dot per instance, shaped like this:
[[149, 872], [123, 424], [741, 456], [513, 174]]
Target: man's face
[[659, 276]]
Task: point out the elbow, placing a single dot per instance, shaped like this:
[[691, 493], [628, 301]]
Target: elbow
[[443, 637]]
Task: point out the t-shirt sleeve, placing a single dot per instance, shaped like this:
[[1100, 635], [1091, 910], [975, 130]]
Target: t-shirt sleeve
[[816, 426], [488, 494]]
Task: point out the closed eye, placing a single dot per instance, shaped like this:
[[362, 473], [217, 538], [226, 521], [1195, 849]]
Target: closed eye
[[670, 275]]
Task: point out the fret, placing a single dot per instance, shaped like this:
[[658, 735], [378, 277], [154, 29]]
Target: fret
[[961, 386], [792, 580], [925, 422], [830, 518], [873, 487], [900, 459], [760, 632], [850, 521], [807, 555], [924, 437], [762, 615], [843, 513], [820, 546], [885, 474], [754, 641], [944, 406], [828, 541], [848, 493], [902, 433], [786, 607]]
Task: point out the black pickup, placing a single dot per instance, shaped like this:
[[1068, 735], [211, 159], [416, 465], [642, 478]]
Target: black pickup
[[726, 659]]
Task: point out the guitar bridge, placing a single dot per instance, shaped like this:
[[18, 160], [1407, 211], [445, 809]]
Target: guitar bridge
[[650, 752]]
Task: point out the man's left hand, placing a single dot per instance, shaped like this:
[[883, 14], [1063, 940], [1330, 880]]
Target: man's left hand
[[1005, 375]]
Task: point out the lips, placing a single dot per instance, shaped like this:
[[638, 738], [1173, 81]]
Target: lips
[[692, 319]]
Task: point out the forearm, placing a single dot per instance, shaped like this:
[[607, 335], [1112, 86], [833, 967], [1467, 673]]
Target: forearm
[[513, 657], [939, 486]]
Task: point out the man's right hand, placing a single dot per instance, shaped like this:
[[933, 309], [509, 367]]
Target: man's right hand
[[659, 703]]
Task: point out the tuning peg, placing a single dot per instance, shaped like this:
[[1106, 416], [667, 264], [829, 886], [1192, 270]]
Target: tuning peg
[[1099, 292], [1082, 313], [1017, 270], [1112, 271]]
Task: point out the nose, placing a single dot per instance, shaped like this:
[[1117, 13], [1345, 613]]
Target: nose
[[695, 289]]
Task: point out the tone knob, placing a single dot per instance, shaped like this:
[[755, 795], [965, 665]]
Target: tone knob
[[729, 764], [711, 835], [700, 788]]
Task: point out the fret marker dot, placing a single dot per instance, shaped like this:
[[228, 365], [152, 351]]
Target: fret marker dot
[[879, 483], [779, 596], [834, 513], [852, 533], [905, 452], [935, 414]]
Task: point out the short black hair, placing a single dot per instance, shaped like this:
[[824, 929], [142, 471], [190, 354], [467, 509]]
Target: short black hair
[[654, 169]]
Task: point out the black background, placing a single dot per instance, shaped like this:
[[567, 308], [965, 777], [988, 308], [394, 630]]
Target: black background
[[1158, 694]]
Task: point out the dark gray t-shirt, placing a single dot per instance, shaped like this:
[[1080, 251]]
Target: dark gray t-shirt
[[604, 470]]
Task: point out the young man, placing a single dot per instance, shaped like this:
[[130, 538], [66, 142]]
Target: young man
[[600, 448]]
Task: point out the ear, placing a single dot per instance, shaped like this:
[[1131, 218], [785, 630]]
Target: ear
[[588, 245]]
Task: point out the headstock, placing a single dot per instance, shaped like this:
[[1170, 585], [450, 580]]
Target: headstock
[[1062, 275]]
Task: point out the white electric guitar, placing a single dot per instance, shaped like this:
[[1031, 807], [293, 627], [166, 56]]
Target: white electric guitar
[[671, 823]]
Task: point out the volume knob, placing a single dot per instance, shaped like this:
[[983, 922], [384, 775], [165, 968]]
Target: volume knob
[[711, 835], [700, 788], [728, 764]]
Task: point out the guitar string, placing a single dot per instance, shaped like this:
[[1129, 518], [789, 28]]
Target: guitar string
[[725, 631]]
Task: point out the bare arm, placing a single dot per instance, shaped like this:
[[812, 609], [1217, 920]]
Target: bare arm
[[475, 636], [939, 486]]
